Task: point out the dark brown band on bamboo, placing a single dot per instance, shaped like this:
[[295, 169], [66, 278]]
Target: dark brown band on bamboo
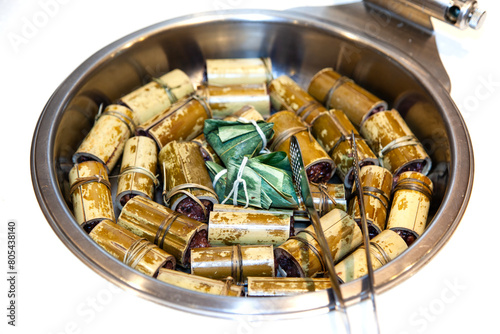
[[398, 143], [89, 179], [237, 263], [140, 170], [323, 198], [304, 111], [283, 136], [339, 126], [174, 108], [204, 104], [136, 252], [129, 122], [368, 190], [337, 84], [342, 139], [413, 184], [380, 255], [311, 247], [168, 90], [164, 228]]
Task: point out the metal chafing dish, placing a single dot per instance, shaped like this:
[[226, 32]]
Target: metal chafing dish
[[385, 53]]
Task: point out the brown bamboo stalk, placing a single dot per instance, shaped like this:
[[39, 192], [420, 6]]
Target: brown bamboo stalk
[[130, 249], [169, 230], [106, 139], [335, 91], [90, 193]]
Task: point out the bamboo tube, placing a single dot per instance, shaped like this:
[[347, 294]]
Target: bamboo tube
[[412, 197], [138, 170], [174, 233], [426, 123], [106, 139], [377, 184], [238, 71], [285, 286], [286, 94], [226, 100], [301, 256], [249, 227], [206, 150], [394, 143], [158, 95], [183, 121], [134, 251], [335, 91], [90, 193], [187, 184], [238, 262], [319, 166], [384, 248], [200, 284], [332, 129], [326, 197], [247, 112], [236, 208]]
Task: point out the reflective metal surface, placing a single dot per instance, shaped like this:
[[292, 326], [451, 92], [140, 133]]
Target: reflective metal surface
[[299, 45], [459, 13]]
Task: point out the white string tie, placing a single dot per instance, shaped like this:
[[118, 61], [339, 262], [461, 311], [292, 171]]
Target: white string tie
[[234, 191], [218, 176], [259, 131]]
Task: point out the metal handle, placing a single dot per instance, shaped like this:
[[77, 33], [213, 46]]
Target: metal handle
[[459, 13]]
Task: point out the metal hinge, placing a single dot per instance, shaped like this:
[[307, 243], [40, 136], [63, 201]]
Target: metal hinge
[[459, 13]]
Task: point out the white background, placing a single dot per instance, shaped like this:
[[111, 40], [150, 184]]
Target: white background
[[457, 292]]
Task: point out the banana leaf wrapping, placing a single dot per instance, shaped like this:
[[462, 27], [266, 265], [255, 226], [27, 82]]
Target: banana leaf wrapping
[[338, 92], [200, 283], [237, 139], [267, 178], [384, 248], [412, 195], [187, 184], [247, 112], [159, 94], [318, 164], [332, 129]]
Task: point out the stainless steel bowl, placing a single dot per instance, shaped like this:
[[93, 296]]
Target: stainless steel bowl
[[299, 45]]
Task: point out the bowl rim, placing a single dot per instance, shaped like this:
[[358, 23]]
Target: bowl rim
[[60, 218]]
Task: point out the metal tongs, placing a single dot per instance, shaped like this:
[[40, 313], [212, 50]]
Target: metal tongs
[[302, 188]]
